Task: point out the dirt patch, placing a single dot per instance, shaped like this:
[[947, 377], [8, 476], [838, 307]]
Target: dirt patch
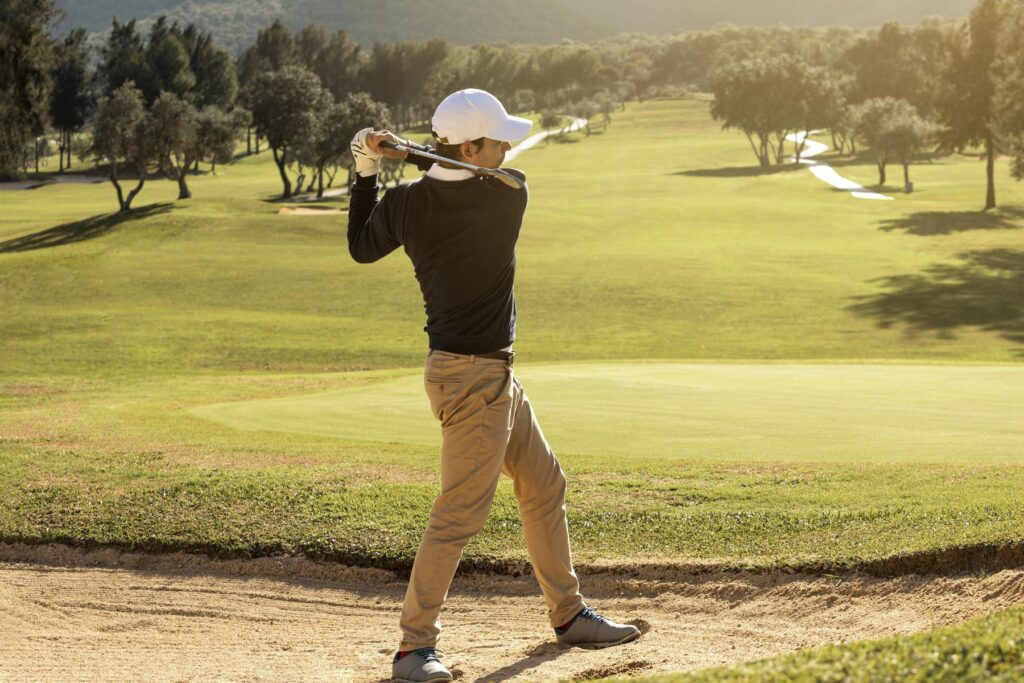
[[97, 615]]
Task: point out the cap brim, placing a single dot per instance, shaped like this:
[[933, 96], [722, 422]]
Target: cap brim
[[512, 129]]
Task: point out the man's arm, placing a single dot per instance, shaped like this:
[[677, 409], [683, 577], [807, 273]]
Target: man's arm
[[371, 229]]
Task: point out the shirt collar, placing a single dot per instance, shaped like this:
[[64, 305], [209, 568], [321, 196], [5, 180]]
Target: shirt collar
[[438, 172]]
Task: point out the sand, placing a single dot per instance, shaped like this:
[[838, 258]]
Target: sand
[[104, 616]]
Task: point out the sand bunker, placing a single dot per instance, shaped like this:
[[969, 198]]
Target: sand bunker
[[103, 615], [311, 211]]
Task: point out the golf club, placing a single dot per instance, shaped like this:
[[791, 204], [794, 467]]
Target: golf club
[[503, 176]]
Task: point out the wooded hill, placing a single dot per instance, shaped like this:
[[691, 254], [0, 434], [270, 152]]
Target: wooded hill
[[234, 23]]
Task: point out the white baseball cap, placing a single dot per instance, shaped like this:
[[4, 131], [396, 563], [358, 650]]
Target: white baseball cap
[[471, 114]]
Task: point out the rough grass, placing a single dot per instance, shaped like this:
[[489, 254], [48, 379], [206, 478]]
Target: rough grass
[[986, 649]]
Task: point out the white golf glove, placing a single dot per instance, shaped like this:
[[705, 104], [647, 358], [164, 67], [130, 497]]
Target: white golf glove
[[367, 161]]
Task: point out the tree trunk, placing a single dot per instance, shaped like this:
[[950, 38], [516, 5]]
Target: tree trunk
[[990, 195], [881, 173], [60, 148], [183, 191], [780, 152], [320, 183], [280, 161], [117, 186], [801, 145], [36, 145], [131, 195], [248, 140], [69, 150], [750, 139], [906, 177]]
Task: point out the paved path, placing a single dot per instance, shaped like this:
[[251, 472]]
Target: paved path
[[825, 172]]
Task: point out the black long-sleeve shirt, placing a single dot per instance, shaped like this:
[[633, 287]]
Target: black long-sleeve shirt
[[461, 238]]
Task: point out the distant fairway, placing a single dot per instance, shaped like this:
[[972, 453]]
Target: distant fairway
[[783, 413]]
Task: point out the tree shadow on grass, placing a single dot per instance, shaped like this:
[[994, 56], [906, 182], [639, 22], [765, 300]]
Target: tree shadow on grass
[[929, 223], [985, 290], [741, 171], [82, 230]]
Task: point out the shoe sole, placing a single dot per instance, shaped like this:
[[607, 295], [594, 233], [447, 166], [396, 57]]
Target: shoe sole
[[429, 680], [600, 646]]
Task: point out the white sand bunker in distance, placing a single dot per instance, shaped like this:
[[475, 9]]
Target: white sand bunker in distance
[[311, 211], [848, 413]]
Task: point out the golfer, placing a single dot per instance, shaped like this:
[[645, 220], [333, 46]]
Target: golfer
[[460, 230]]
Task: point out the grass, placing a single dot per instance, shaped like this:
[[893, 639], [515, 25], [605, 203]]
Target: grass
[[987, 649]]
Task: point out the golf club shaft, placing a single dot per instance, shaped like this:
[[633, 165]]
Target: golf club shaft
[[501, 175]]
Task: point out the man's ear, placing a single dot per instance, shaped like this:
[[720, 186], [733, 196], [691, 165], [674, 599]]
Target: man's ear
[[468, 150]]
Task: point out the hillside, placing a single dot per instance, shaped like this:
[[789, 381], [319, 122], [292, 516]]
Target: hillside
[[235, 22]]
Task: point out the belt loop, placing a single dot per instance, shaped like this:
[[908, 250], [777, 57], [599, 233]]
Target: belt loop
[[472, 358]]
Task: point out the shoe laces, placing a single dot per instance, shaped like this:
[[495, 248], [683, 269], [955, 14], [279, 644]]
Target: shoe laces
[[589, 613], [428, 654]]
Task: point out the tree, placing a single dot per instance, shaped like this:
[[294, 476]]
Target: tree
[[764, 98], [217, 133], [284, 106], [216, 79], [966, 103], [71, 100], [585, 109], [26, 60], [174, 125], [122, 58], [121, 136], [606, 104], [893, 130], [340, 65], [870, 119], [167, 63], [906, 135], [1008, 102], [273, 50]]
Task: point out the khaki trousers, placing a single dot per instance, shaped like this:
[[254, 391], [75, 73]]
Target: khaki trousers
[[487, 427]]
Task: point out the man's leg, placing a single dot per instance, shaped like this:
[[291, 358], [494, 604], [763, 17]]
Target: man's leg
[[540, 488], [473, 400]]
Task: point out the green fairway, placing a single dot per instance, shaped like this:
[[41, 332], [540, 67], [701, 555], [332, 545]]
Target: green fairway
[[789, 375], [675, 412]]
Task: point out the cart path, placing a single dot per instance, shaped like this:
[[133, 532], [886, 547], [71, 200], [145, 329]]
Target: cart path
[[826, 173], [184, 617]]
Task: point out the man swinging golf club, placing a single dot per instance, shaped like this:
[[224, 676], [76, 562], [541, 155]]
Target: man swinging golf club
[[460, 228]]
